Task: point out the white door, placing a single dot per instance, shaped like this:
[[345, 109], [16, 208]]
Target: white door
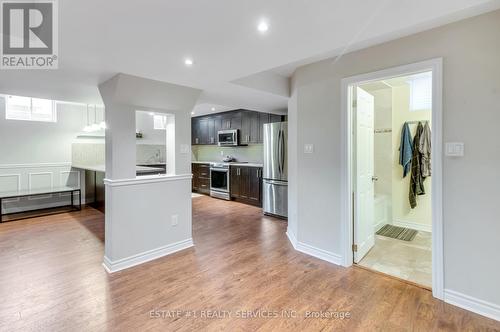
[[364, 187]]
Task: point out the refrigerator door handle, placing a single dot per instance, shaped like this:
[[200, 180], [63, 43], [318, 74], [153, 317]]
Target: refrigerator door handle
[[282, 152], [278, 183], [279, 152]]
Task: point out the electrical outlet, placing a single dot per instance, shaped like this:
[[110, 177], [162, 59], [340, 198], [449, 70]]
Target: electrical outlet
[[308, 148], [175, 220], [184, 149]]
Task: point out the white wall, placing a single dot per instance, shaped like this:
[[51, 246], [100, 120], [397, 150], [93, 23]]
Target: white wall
[[38, 155], [40, 142], [145, 229], [151, 148], [471, 113], [145, 124]]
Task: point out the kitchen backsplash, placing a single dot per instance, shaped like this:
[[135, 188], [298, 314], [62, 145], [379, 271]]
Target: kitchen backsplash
[[92, 154], [88, 154], [250, 153], [150, 154]]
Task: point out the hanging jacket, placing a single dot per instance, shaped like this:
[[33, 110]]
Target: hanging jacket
[[416, 180], [405, 149], [424, 148]]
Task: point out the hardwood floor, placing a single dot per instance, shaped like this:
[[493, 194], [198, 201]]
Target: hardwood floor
[[51, 279]]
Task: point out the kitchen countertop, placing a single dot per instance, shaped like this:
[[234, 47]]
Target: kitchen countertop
[[102, 168], [231, 164]]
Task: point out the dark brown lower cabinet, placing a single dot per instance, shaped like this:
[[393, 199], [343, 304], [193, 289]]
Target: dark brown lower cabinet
[[246, 184], [94, 190], [201, 178]]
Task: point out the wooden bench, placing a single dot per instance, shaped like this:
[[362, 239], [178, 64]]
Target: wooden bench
[[39, 192]]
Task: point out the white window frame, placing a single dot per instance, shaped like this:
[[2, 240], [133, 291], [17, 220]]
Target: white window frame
[[418, 99], [53, 117], [163, 126]]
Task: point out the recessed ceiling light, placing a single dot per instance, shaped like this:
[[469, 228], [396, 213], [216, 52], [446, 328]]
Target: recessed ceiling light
[[213, 109], [263, 26], [188, 62]]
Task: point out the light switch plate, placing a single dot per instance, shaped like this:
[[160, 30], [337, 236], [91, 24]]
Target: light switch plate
[[308, 148], [454, 149], [175, 220], [184, 149]]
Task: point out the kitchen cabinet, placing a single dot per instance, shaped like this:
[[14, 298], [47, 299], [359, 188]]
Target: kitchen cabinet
[[275, 118], [201, 178], [231, 120], [246, 184], [94, 190], [217, 127], [204, 129], [195, 135], [249, 127]]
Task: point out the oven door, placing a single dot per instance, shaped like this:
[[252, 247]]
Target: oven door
[[219, 179], [228, 137]]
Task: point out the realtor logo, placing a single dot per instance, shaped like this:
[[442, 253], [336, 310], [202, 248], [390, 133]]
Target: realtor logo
[[29, 34]]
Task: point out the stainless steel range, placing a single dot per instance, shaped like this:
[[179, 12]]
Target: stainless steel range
[[219, 180]]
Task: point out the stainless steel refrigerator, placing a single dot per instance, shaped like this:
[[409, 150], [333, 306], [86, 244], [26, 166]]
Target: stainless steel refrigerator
[[275, 177]]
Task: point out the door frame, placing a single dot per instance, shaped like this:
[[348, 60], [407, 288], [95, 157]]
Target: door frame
[[347, 231]]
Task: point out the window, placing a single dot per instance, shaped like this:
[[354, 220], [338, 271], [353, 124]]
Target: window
[[160, 122], [421, 92], [30, 109]]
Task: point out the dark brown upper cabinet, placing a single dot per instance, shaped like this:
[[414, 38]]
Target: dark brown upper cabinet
[[195, 135], [249, 127], [217, 127], [231, 120], [204, 129]]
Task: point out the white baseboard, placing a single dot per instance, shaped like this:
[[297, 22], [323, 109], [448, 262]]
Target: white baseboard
[[319, 253], [125, 263], [313, 251], [470, 303], [292, 238], [412, 225], [378, 226]]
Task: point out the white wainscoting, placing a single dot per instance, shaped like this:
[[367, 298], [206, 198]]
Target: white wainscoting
[[10, 182], [14, 177]]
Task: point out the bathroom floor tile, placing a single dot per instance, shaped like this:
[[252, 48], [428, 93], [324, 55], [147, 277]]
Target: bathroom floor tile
[[409, 260]]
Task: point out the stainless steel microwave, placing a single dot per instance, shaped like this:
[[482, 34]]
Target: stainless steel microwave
[[228, 137]]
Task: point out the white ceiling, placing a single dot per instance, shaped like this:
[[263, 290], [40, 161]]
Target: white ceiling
[[151, 39]]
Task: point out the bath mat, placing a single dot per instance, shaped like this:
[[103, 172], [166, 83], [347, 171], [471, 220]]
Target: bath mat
[[395, 232]]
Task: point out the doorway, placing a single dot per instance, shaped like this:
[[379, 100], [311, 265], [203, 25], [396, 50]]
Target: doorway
[[391, 217]]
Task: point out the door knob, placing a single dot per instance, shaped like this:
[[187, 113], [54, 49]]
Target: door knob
[[374, 178]]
